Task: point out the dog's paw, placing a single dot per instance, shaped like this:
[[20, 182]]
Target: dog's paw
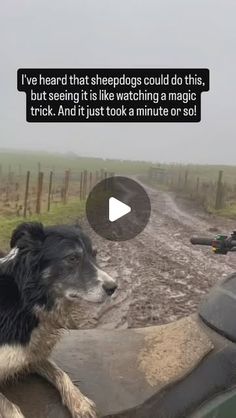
[[84, 408]]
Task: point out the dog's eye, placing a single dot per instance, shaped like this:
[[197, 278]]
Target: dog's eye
[[72, 258], [94, 252]]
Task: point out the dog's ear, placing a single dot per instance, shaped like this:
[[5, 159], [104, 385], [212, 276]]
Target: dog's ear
[[26, 234]]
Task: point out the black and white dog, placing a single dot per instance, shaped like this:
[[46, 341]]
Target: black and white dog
[[46, 271]]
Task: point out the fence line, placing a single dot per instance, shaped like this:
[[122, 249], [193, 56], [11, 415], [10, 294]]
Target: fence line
[[216, 194], [23, 193]]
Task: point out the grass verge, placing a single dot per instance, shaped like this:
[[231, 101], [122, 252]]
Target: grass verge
[[227, 212]]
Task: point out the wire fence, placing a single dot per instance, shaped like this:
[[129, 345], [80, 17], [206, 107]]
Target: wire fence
[[25, 193], [214, 193]]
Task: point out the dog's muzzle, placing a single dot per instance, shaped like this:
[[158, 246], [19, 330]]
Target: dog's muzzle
[[109, 285], [104, 287]]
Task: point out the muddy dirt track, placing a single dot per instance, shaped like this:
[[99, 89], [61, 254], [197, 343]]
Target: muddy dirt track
[[161, 276]]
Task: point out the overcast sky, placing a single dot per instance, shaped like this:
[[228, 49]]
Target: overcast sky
[[123, 33]]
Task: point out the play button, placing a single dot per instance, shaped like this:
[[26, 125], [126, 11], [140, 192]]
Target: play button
[[118, 208]]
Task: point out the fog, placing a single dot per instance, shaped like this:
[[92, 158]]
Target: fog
[[134, 33]]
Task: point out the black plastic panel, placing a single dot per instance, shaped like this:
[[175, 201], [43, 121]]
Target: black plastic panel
[[218, 309]]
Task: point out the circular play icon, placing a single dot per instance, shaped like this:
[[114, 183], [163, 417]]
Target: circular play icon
[[118, 208]]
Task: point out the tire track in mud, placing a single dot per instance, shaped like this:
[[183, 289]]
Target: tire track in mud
[[161, 276]]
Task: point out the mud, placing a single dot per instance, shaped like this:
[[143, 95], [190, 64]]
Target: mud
[[161, 276]]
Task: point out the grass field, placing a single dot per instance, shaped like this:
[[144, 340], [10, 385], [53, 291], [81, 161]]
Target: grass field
[[24, 160]]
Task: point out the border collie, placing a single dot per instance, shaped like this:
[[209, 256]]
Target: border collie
[[47, 270]]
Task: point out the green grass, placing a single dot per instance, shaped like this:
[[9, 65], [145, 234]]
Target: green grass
[[227, 212], [58, 215]]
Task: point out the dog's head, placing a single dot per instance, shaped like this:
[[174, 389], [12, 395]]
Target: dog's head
[[55, 263]]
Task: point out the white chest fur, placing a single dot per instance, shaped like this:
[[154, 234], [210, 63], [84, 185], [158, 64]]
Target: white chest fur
[[16, 358], [13, 359]]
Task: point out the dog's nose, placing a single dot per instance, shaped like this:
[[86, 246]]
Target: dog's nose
[[109, 288]]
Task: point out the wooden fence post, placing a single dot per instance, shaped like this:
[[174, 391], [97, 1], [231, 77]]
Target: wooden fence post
[[66, 186], [17, 197], [26, 193], [219, 191], [186, 178], [39, 193], [90, 180], [85, 178], [50, 190], [197, 185], [81, 185], [179, 180]]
